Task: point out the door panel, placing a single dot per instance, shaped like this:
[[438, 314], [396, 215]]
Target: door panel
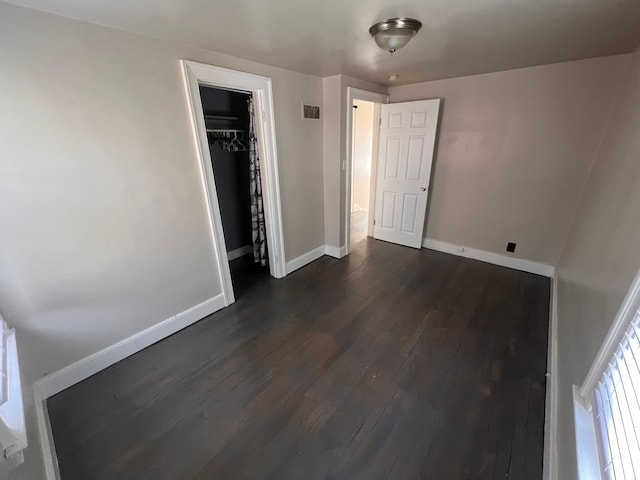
[[407, 139], [395, 120], [414, 161], [392, 157], [388, 209], [409, 213]]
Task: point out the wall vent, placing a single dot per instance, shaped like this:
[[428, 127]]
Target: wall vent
[[310, 111]]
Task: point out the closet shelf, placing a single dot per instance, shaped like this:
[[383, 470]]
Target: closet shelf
[[225, 130]]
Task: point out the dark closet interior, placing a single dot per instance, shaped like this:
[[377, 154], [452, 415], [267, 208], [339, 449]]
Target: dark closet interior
[[227, 121]]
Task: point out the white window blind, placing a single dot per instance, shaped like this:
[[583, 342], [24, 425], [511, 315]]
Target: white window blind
[[13, 435], [612, 393], [607, 406], [615, 400]]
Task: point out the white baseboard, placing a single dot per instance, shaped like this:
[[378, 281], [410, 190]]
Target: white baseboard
[[316, 253], [336, 252], [550, 460], [84, 368], [305, 259], [239, 252], [490, 257]]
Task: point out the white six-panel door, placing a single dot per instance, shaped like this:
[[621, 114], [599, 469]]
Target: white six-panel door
[[405, 154]]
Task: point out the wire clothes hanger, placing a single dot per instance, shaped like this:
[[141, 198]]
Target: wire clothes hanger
[[229, 139]]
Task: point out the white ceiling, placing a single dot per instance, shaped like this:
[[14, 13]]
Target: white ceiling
[[326, 37]]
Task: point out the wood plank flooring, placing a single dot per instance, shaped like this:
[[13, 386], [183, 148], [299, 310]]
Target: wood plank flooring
[[391, 363]]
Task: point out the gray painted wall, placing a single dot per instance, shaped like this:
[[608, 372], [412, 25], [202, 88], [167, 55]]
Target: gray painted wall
[[600, 258], [513, 153]]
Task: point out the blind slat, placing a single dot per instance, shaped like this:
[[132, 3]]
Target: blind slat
[[606, 452], [611, 413], [624, 419], [632, 406]]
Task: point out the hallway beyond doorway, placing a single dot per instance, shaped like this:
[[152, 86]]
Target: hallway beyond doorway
[[359, 221]]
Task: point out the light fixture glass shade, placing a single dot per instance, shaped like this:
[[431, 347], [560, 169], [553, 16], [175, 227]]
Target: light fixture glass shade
[[395, 33]]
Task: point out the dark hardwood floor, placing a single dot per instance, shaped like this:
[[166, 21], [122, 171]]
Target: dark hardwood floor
[[390, 363]]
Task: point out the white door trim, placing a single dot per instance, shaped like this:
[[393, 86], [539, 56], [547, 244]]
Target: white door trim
[[550, 456], [196, 74], [377, 109], [367, 96]]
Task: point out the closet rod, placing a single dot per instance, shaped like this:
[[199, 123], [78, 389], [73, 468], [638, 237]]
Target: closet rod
[[225, 130], [221, 117]]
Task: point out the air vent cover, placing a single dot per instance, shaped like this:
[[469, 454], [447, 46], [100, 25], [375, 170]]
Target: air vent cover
[[310, 111]]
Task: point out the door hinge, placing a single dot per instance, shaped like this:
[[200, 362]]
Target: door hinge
[[264, 116], [374, 221]]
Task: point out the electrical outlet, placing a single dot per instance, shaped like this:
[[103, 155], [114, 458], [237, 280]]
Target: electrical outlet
[[511, 247]]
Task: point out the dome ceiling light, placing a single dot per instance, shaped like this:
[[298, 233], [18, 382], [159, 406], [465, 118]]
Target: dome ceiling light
[[394, 33]]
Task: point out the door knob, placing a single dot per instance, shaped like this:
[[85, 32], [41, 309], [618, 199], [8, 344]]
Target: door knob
[[423, 189]]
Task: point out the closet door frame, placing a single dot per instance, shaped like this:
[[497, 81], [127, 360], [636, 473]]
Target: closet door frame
[[196, 74]]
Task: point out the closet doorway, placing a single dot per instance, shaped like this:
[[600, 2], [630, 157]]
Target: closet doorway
[[229, 118], [219, 102]]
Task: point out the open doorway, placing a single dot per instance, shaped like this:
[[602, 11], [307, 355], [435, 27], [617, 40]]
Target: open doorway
[[363, 118], [257, 88], [400, 168], [228, 117], [362, 160]]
